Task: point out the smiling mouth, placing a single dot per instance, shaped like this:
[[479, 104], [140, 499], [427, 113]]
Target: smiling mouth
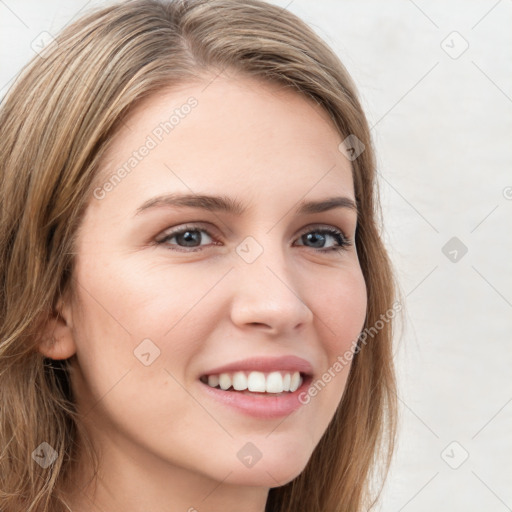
[[265, 383]]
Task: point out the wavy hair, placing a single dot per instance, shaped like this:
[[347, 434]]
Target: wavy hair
[[57, 121]]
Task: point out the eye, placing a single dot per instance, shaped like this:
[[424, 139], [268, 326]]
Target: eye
[[187, 237], [325, 239], [193, 238]]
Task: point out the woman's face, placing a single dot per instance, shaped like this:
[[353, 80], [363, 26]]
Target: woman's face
[[219, 254]]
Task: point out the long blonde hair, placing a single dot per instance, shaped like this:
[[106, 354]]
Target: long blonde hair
[[56, 122]]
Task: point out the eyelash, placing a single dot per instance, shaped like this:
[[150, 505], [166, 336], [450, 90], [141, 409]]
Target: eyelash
[[343, 241]]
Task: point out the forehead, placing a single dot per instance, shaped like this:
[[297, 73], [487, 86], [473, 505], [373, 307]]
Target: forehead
[[228, 133]]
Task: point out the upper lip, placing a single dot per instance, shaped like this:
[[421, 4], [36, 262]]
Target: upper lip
[[265, 364]]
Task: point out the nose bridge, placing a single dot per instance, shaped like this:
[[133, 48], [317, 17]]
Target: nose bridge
[[262, 260], [267, 291]]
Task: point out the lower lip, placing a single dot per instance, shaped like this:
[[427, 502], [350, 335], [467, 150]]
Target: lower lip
[[259, 405]]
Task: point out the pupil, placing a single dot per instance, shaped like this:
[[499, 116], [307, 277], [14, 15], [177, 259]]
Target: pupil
[[189, 238], [315, 239]]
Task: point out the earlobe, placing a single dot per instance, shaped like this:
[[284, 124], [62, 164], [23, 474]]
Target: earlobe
[[57, 340]]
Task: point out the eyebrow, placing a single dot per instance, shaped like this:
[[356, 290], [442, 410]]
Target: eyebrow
[[233, 206]]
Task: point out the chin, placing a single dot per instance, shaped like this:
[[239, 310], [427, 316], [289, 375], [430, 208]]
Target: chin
[[268, 476], [269, 466]]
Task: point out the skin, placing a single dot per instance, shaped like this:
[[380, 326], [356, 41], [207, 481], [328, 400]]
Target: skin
[[164, 445]]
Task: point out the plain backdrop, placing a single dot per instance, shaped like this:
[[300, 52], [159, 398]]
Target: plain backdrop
[[435, 79]]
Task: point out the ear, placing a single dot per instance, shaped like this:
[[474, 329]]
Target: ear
[[57, 340]]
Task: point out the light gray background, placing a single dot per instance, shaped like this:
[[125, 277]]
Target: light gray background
[[442, 126]]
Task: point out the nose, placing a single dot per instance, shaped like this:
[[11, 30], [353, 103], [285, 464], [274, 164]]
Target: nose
[[268, 297]]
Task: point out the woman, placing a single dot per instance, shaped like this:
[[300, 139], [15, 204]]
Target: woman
[[197, 306]]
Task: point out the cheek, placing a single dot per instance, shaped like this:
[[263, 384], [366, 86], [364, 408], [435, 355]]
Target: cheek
[[135, 301], [340, 305], [142, 319], [137, 330]]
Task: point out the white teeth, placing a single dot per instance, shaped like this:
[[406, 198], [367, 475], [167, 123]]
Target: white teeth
[[257, 382], [224, 381], [274, 383], [295, 382], [286, 382], [213, 381], [239, 381]]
